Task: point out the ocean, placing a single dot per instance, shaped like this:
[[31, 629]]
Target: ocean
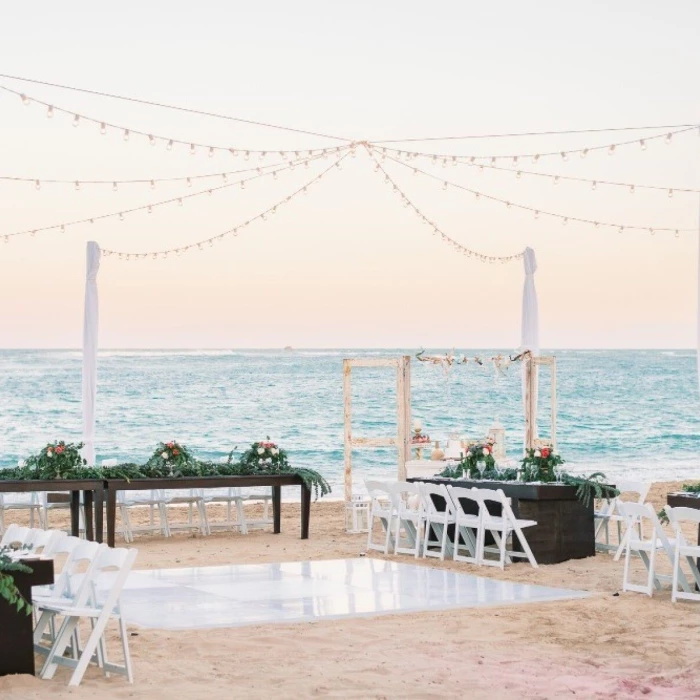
[[626, 413]]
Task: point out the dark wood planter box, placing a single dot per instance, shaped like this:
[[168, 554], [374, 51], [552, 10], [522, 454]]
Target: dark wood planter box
[[16, 628], [565, 527]]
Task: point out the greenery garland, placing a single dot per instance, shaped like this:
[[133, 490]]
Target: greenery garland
[[692, 488], [169, 460]]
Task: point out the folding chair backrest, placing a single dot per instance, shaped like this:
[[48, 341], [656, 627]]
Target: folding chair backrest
[[495, 496], [459, 492], [108, 559], [641, 488], [17, 535], [428, 491], [677, 516], [406, 495], [639, 512], [82, 556], [45, 540]]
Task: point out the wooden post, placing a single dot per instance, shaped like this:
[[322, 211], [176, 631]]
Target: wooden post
[[403, 414], [553, 391], [530, 416], [347, 423]]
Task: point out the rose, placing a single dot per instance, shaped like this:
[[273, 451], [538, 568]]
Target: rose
[[545, 452], [176, 452], [59, 450], [170, 444], [261, 450], [485, 451], [164, 455]]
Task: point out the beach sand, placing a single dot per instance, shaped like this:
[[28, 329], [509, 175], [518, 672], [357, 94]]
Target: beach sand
[[622, 645]]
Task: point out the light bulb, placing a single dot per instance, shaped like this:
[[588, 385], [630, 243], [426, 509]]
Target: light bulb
[[668, 138], [631, 189], [594, 184], [247, 155], [274, 174], [37, 184], [444, 185], [242, 184], [652, 232], [25, 100], [444, 162], [306, 164], [121, 216], [232, 151], [258, 171], [536, 158], [611, 150], [114, 187], [63, 228], [211, 151], [264, 153], [192, 149], [189, 182], [150, 209], [642, 144], [224, 178], [621, 229], [556, 179], [537, 215], [565, 221], [76, 120], [584, 153], [675, 235], [126, 134], [77, 185], [151, 140], [477, 195], [209, 192], [518, 174], [564, 155], [49, 112], [273, 210], [596, 224], [179, 201], [472, 160], [507, 205], [103, 128], [670, 193], [454, 161], [493, 160], [170, 145], [515, 160], [153, 184]]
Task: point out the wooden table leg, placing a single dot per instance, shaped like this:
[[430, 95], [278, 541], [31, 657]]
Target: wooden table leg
[[305, 511], [99, 515], [87, 502], [277, 508], [75, 513], [111, 514]]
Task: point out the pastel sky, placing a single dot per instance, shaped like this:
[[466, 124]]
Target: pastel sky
[[347, 264]]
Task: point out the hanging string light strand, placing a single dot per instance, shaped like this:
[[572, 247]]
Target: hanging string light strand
[[611, 148], [153, 205], [170, 142], [78, 183], [437, 231], [199, 245], [541, 212]]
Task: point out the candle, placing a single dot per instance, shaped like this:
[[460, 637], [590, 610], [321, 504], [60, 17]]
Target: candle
[[417, 426]]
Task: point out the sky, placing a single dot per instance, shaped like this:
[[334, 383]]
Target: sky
[[346, 264]]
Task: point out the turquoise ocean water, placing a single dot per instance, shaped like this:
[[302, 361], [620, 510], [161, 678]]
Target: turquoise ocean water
[[624, 412]]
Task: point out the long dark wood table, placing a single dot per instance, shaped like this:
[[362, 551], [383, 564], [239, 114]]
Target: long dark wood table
[[276, 481], [93, 494], [16, 628], [565, 527]]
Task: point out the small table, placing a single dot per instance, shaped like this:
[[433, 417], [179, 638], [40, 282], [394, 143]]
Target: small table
[[565, 527], [16, 628], [276, 481], [92, 490]]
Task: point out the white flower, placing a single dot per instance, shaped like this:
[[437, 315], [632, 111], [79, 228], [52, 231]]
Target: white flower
[[261, 450], [164, 455], [485, 452], [275, 451], [260, 461], [538, 453], [49, 453], [268, 461]]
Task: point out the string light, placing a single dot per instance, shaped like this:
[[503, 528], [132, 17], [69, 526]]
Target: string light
[[115, 187], [149, 207], [25, 100], [211, 151], [532, 209], [169, 147], [151, 140], [121, 255], [642, 144], [153, 184], [611, 150], [668, 138], [126, 134], [76, 120], [77, 185], [49, 112], [37, 184]]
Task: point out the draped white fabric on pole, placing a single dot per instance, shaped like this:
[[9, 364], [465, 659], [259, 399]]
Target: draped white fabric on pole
[[90, 324], [530, 326]]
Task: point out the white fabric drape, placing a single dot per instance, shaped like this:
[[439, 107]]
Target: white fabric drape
[[530, 325], [90, 324]]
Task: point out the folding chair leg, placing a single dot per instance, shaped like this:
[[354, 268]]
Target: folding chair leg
[[125, 649], [676, 566]]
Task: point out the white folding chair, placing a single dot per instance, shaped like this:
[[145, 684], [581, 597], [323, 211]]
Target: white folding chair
[[467, 525], [99, 603], [610, 513], [16, 536], [682, 549], [266, 519], [69, 561], [231, 497], [502, 527], [409, 518], [439, 515], [25, 501], [153, 500], [647, 548], [194, 500], [382, 508]]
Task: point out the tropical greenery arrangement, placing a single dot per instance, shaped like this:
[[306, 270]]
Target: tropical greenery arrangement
[[8, 588], [692, 488], [540, 464], [169, 460]]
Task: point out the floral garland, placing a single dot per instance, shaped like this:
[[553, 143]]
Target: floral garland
[[540, 464], [56, 460]]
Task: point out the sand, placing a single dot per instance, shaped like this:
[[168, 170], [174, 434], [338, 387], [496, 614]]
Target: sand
[[611, 645]]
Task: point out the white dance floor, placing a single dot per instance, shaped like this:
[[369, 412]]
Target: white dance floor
[[253, 594]]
